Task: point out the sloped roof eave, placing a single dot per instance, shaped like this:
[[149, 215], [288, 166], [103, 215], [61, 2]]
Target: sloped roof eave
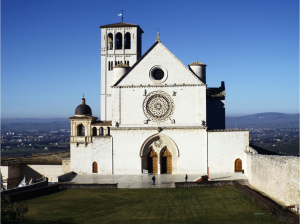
[[136, 63], [121, 25]]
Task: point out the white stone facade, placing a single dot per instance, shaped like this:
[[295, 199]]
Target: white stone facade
[[153, 114]]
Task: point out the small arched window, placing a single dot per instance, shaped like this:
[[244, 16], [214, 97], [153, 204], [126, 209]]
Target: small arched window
[[110, 41], [111, 65], [94, 131], [95, 167], [127, 41], [80, 130], [118, 41]]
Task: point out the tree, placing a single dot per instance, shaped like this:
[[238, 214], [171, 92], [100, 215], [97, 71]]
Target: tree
[[11, 210]]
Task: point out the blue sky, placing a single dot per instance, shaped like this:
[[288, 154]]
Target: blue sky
[[50, 50]]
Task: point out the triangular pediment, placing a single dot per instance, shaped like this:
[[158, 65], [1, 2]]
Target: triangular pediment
[[158, 57]]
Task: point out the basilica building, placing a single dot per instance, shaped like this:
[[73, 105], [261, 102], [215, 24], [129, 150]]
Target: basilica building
[[157, 115]]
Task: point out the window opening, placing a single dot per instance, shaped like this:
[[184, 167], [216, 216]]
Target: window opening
[[127, 41], [119, 41], [80, 130], [94, 131], [110, 41]]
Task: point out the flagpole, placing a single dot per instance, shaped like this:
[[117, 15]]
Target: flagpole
[[122, 16]]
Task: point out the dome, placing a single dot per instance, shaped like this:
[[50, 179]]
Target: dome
[[83, 109], [197, 63]]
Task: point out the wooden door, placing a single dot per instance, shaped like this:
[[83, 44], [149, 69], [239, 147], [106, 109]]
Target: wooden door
[[169, 164], [168, 160], [153, 155], [95, 167], [238, 165], [155, 164]]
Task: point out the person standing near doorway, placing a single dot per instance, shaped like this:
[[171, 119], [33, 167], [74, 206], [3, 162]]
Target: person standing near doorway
[[153, 180], [186, 178]]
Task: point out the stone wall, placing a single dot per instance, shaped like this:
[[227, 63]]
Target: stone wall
[[224, 147], [38, 171], [203, 184], [4, 172], [275, 176], [43, 183]]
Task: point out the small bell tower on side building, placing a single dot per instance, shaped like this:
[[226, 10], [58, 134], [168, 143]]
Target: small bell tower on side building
[[120, 43]]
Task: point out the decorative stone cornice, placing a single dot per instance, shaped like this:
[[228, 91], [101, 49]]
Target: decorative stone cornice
[[156, 128], [154, 86], [226, 130]]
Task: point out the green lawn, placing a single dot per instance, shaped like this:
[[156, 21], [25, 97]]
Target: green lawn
[[203, 205]]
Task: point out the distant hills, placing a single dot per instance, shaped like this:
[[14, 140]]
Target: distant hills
[[29, 124], [263, 120], [33, 120]]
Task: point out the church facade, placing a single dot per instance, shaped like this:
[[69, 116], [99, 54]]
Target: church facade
[[157, 115]]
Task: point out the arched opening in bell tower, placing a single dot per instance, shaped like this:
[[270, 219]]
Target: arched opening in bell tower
[[80, 130], [127, 41], [110, 41], [118, 41]]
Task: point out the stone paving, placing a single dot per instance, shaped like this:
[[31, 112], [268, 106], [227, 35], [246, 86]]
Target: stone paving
[[144, 181]]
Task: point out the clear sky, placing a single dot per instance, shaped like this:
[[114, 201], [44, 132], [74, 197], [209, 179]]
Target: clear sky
[[50, 50]]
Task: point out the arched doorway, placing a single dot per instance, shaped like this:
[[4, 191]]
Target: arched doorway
[[166, 150], [166, 161], [238, 165], [95, 167], [152, 162]]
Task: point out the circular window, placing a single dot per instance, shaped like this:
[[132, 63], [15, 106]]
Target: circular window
[[158, 106], [158, 74]]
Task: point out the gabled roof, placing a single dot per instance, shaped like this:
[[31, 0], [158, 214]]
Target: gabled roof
[[145, 54], [121, 25], [136, 63]]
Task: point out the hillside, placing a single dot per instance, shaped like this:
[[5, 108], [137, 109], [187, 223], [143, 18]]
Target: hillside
[[264, 120]]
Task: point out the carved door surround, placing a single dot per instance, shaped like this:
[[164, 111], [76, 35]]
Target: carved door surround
[[163, 151]]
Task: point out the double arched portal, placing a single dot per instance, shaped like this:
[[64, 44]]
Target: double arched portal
[[159, 154]]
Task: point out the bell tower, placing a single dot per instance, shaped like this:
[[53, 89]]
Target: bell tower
[[120, 43]]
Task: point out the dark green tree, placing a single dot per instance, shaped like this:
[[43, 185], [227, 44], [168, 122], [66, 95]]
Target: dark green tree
[[10, 211]]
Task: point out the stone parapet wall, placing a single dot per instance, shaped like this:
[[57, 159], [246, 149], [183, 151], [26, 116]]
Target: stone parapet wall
[[271, 206], [88, 186], [276, 176], [62, 177], [203, 184], [43, 183]]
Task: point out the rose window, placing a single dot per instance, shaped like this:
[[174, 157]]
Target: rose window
[[158, 106]]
